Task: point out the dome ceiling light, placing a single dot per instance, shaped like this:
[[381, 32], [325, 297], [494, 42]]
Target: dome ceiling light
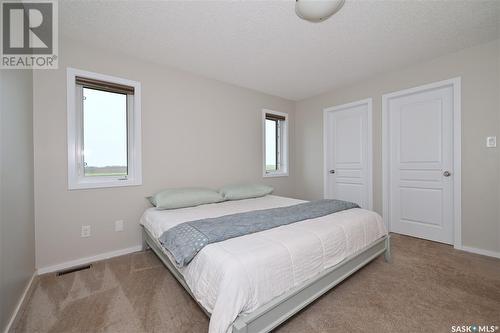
[[317, 10]]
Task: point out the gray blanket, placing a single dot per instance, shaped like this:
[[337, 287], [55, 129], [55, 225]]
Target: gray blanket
[[185, 240]]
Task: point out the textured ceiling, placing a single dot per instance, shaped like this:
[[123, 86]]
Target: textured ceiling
[[263, 45]]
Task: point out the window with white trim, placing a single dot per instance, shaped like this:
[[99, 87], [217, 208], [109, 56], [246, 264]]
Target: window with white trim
[[275, 143], [104, 131]]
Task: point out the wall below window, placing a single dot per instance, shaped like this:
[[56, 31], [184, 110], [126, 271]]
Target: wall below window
[[195, 132], [479, 68], [17, 228]]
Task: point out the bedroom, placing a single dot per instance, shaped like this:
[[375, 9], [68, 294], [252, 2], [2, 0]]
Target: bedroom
[[214, 105]]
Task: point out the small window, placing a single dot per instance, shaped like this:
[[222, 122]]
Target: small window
[[103, 131], [275, 125]]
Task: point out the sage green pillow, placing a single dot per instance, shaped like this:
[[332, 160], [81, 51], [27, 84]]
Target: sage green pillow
[[184, 197], [239, 192]]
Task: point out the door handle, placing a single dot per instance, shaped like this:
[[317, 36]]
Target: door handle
[[447, 174], [332, 171]]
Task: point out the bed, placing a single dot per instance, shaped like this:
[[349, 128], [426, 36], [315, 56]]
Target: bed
[[254, 282]]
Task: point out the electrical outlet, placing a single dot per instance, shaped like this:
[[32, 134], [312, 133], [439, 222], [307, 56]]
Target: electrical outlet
[[119, 225], [85, 231], [491, 142]]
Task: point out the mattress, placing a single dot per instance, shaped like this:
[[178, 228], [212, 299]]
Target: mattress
[[238, 275]]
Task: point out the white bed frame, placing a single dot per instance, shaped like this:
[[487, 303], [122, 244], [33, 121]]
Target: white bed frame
[[278, 310]]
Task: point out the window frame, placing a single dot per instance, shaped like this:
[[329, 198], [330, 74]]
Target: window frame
[[282, 149], [76, 178]]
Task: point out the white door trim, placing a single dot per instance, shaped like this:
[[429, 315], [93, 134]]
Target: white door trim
[[457, 152], [369, 103]]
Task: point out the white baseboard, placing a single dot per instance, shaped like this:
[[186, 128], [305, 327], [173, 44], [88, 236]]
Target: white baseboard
[[88, 260], [479, 251], [20, 303]]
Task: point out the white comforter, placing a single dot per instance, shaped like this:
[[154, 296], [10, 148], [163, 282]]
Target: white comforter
[[241, 274]]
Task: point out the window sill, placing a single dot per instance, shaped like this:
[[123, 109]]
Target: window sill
[[82, 185], [275, 174]]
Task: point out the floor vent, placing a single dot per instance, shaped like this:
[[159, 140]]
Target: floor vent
[[73, 269]]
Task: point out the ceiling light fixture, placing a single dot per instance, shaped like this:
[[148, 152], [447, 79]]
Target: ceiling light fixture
[[317, 10]]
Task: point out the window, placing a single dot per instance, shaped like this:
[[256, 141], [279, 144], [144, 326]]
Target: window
[[104, 146], [275, 131]]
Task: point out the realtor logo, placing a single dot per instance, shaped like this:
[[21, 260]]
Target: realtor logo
[[29, 34]]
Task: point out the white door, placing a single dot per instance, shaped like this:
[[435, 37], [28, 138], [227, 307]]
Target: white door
[[420, 144], [348, 156]]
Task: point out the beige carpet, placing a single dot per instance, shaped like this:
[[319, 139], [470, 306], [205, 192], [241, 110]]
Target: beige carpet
[[427, 288]]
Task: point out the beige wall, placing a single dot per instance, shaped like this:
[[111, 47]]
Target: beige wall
[[201, 132], [479, 68], [17, 230], [195, 132]]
